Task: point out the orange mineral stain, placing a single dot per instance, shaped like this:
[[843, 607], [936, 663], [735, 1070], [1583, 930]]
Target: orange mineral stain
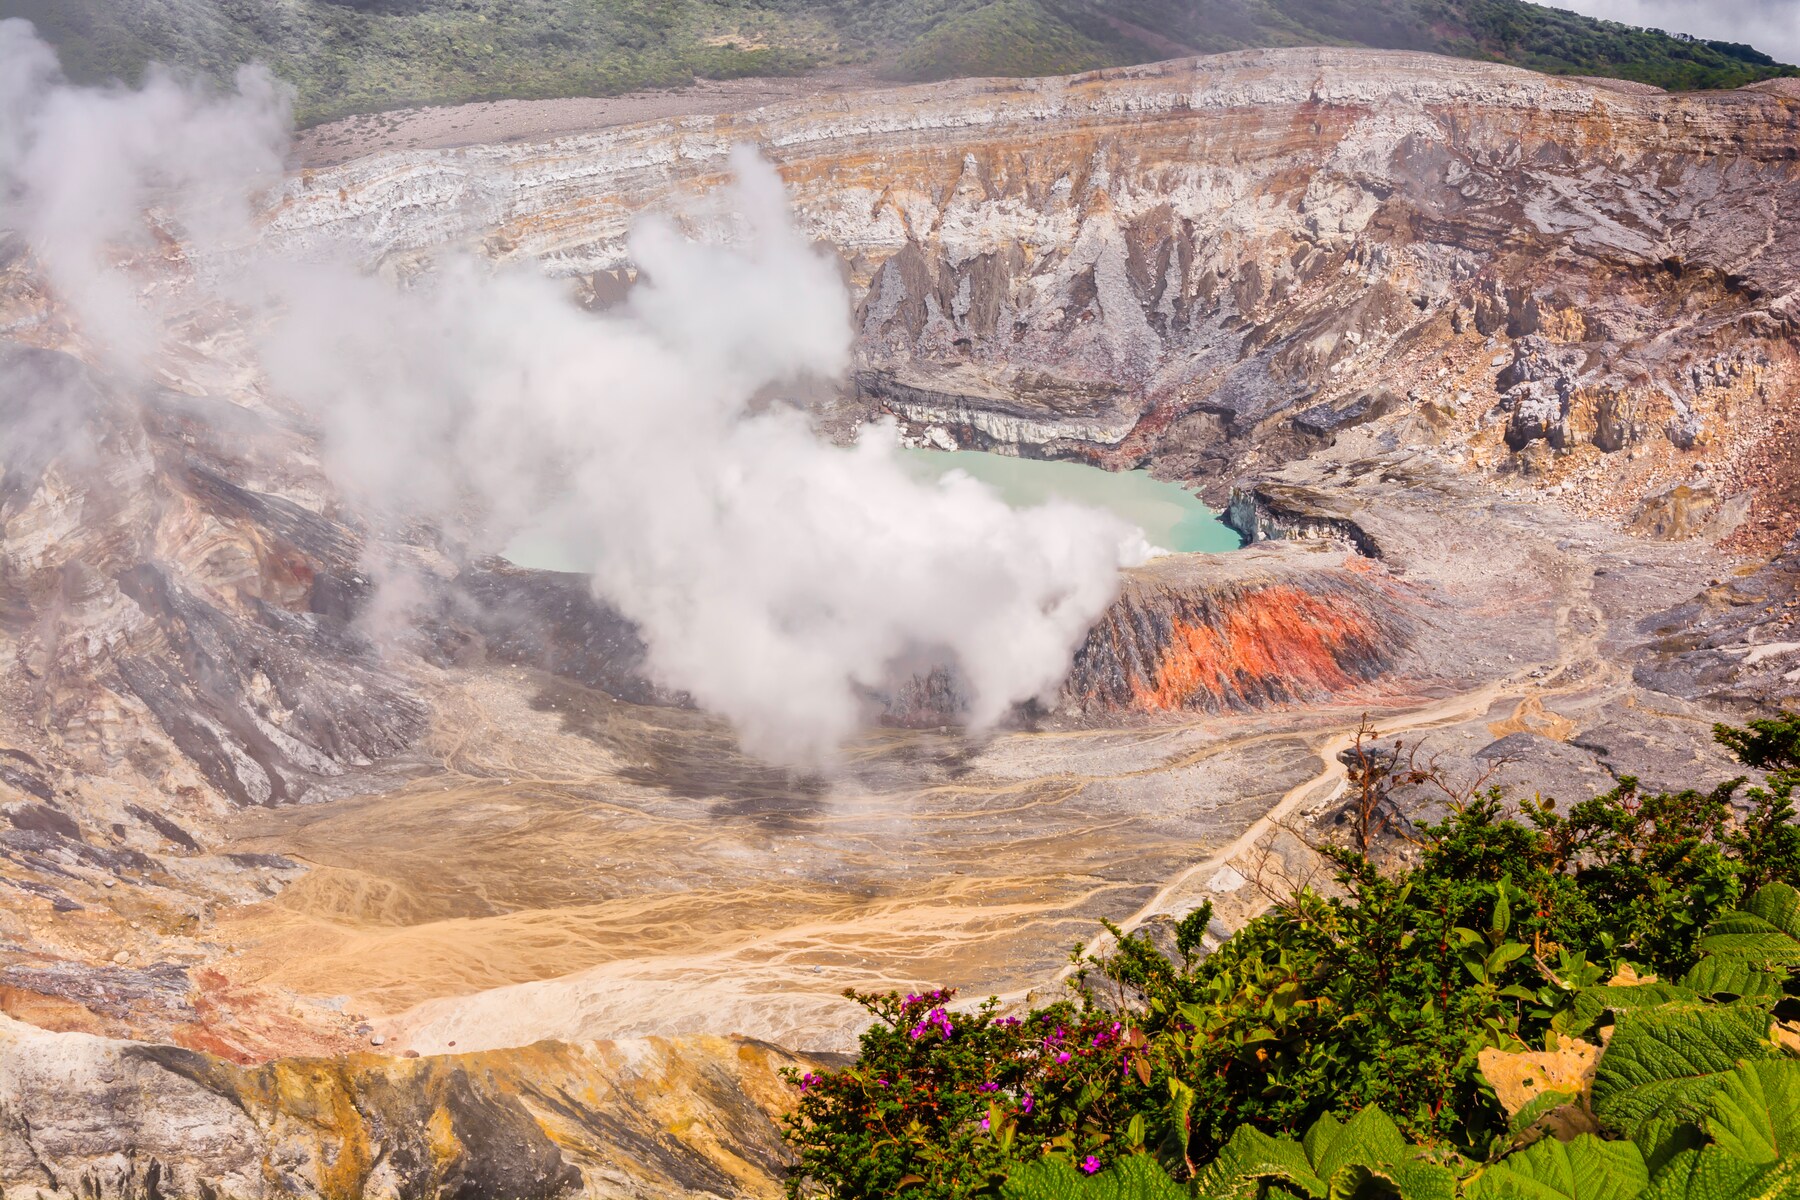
[[1278, 641]]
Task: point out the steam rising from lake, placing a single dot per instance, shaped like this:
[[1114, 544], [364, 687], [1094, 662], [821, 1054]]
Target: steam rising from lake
[[777, 579]]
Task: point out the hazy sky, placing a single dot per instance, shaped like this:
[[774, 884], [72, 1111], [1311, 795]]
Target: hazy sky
[[1772, 26]]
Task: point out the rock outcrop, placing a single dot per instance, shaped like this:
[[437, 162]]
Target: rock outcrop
[[1736, 644], [1256, 633], [109, 1120], [1268, 511]]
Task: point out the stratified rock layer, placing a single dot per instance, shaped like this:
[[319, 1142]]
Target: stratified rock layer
[[1211, 263], [106, 1120]]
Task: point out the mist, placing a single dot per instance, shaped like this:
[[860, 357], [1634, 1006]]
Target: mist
[[782, 582]]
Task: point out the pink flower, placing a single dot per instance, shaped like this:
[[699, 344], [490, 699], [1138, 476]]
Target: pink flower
[[1025, 1105], [937, 1017], [1090, 1164], [984, 1124], [1062, 1056]]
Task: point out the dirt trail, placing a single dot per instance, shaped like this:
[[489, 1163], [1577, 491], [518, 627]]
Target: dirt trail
[[1173, 898], [1530, 686]]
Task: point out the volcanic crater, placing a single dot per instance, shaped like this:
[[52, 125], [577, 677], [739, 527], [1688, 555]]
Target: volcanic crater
[[1495, 373]]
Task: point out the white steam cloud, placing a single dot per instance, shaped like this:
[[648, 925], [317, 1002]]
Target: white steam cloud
[[778, 579], [78, 166]]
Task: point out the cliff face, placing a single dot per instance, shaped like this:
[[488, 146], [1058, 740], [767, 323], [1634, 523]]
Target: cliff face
[[1214, 263], [178, 646], [219, 613], [551, 1121]]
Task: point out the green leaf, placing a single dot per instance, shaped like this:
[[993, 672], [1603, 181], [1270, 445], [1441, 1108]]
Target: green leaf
[[1764, 932], [1137, 1177], [1720, 976], [1664, 1064], [1045, 1179], [1134, 1177], [1252, 1154], [1618, 999], [1422, 1181], [1505, 956], [1585, 1168], [1352, 1182], [1756, 1112], [1334, 1162], [1316, 1140], [1714, 1176], [1753, 1118], [1663, 1136], [1369, 1139]]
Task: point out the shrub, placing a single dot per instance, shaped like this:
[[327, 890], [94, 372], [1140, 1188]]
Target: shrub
[[1366, 1014]]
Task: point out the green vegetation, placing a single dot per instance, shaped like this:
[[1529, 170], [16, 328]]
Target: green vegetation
[[1008, 37], [347, 56], [1597, 1004]]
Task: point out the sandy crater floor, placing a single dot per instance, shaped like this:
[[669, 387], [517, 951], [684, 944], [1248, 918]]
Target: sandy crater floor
[[637, 875], [576, 867]]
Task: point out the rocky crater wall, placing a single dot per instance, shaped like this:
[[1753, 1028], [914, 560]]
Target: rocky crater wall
[[1268, 512], [1207, 265]]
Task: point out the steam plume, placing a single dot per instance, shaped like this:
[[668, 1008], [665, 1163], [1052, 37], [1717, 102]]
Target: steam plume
[[776, 578]]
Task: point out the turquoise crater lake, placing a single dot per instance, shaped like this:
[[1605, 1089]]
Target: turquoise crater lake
[[1171, 517]]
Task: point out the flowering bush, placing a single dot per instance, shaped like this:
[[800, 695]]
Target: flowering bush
[[945, 1102], [1383, 994]]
